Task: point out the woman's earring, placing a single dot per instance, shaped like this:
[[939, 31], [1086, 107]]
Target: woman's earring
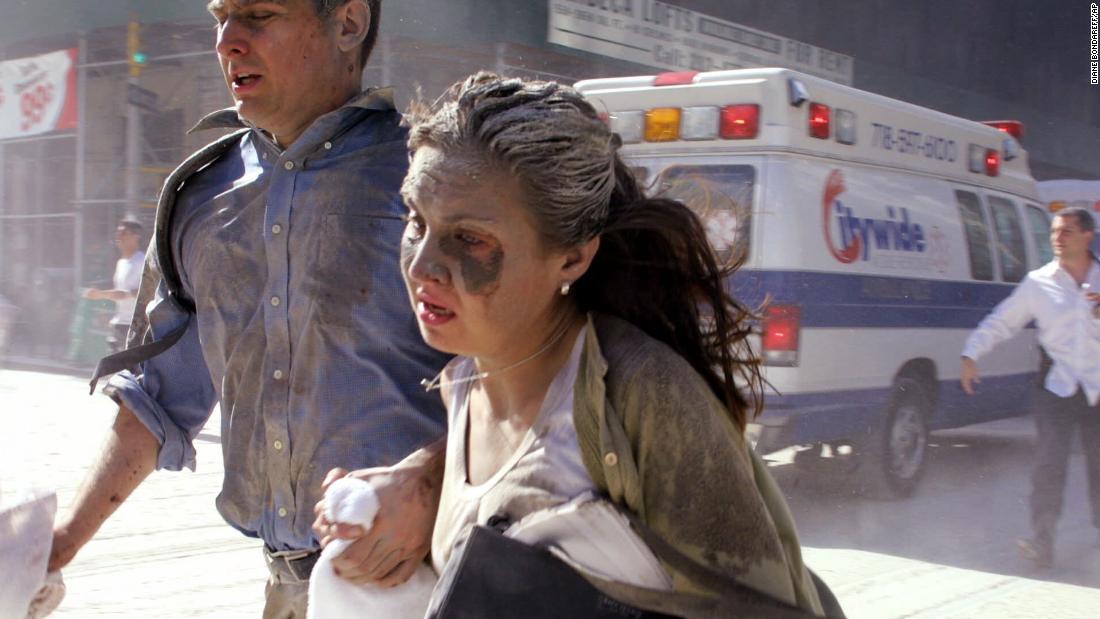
[[565, 288]]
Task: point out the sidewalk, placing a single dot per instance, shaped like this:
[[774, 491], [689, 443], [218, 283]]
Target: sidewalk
[[166, 552]]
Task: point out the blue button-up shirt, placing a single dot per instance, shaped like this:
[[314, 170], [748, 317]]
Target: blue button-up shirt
[[302, 330]]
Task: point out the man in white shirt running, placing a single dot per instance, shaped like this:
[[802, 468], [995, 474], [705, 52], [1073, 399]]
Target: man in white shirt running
[[1063, 298], [126, 282]]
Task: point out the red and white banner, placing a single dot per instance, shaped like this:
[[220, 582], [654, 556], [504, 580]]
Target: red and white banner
[[38, 94]]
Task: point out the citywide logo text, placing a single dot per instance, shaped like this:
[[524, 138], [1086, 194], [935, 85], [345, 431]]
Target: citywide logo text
[[857, 234]]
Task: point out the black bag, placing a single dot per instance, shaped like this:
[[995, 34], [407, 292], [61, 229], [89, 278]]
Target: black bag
[[495, 576]]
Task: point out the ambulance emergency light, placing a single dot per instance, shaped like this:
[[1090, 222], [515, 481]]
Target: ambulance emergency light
[[738, 121], [629, 125], [1014, 128], [819, 121], [700, 123], [981, 159], [662, 124], [845, 126], [665, 124]]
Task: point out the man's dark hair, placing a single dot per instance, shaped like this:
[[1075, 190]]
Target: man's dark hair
[[131, 226], [325, 8], [1085, 220]]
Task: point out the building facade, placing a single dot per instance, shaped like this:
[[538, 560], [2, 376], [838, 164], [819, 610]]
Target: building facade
[[62, 192]]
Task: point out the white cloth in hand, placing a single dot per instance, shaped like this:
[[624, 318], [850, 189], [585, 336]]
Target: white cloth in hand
[[353, 501], [26, 535], [48, 597]]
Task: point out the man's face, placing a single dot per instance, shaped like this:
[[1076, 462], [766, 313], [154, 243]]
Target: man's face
[[126, 240], [1067, 237], [281, 62]]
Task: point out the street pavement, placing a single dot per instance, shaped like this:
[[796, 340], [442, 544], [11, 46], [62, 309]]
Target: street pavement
[[167, 553]]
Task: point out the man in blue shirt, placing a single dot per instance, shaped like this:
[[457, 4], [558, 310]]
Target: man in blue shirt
[[287, 246]]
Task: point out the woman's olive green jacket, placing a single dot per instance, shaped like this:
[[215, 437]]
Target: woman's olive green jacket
[[659, 443]]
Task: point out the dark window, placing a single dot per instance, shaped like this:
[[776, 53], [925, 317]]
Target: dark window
[[1040, 232], [977, 235], [1010, 239]]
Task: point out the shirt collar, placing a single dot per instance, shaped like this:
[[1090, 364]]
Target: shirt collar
[[1054, 267], [378, 99]]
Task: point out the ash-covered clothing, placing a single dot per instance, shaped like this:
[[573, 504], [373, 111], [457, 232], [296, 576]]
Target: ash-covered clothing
[[303, 329], [656, 441], [659, 443], [127, 277], [1068, 330], [544, 471]]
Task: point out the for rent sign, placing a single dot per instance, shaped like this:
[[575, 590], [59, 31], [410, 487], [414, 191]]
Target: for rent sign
[[38, 94], [666, 36]]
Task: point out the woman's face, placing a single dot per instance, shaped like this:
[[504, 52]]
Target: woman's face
[[480, 279]]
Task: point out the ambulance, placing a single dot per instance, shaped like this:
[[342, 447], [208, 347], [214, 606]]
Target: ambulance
[[875, 235]]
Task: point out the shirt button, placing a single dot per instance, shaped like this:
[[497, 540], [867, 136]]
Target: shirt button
[[289, 165], [277, 374], [611, 458], [278, 445], [282, 512], [276, 229], [275, 301], [328, 145]]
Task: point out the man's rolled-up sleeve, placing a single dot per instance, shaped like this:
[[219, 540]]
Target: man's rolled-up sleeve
[[174, 395]]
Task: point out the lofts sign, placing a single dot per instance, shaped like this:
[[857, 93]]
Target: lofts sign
[[38, 94], [662, 35]]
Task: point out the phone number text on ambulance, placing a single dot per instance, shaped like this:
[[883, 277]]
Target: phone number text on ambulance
[[909, 142]]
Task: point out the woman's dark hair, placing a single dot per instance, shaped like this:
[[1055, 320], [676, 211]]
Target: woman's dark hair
[[654, 268]]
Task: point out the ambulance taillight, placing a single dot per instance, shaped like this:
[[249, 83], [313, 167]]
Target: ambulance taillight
[[819, 121], [781, 326]]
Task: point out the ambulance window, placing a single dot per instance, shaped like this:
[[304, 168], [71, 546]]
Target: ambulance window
[[1010, 239], [977, 236], [1040, 232], [722, 197]]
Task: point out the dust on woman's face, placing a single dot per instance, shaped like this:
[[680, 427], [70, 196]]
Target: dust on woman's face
[[478, 275]]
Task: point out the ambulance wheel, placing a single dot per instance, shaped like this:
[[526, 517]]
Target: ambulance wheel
[[892, 456]]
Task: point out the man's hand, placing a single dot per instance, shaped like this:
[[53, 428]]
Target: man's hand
[[66, 543], [93, 294], [401, 536], [1094, 298], [969, 375]]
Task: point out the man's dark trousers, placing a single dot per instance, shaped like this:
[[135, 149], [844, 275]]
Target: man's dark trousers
[[1056, 419]]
